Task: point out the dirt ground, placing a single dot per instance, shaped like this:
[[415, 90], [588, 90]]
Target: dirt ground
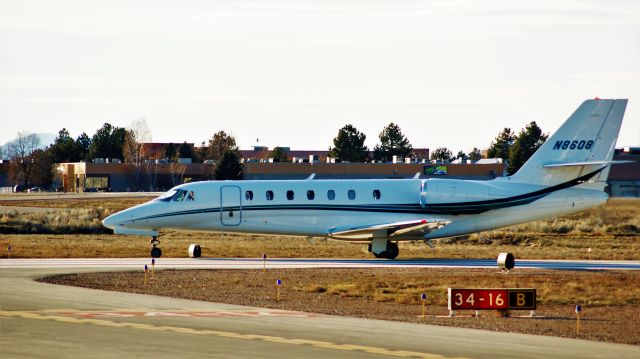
[[610, 300]]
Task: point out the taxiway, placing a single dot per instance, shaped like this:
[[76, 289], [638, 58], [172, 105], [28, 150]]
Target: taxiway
[[50, 321]]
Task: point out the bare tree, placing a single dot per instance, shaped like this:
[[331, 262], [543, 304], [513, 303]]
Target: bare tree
[[20, 153], [138, 133], [151, 167], [177, 170]]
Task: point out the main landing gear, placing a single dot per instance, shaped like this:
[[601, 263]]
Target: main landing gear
[[155, 251], [391, 252]]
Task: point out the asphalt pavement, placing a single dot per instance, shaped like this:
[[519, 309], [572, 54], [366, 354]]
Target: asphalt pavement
[[50, 321]]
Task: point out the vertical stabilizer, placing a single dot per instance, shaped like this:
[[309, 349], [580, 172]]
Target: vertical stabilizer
[[584, 144]]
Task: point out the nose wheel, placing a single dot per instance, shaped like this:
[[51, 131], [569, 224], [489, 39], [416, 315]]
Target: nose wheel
[[155, 251]]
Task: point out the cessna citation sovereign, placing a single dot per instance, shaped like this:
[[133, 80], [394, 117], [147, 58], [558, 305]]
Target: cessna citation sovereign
[[567, 174]]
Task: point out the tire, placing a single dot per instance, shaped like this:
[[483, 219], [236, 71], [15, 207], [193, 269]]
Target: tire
[[380, 255], [156, 252], [392, 251]]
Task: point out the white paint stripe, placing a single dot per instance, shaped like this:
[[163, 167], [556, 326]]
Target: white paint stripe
[[242, 263]]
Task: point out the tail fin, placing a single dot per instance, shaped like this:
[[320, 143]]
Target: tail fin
[[583, 145]]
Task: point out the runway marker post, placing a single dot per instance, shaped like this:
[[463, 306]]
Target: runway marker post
[[264, 262], [9, 251], [144, 281], [278, 284], [578, 310], [423, 298], [153, 267], [589, 252]]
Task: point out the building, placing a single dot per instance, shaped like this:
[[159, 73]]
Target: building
[[160, 175], [124, 177], [262, 154], [624, 179], [288, 170]]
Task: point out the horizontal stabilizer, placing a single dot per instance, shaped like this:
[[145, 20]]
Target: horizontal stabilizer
[[582, 164]]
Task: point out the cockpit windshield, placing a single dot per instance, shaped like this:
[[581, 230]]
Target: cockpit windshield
[[177, 195], [167, 195]]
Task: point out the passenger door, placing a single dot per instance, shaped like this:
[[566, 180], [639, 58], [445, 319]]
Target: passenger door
[[230, 206]]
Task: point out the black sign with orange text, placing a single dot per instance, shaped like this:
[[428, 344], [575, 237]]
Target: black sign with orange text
[[492, 299]]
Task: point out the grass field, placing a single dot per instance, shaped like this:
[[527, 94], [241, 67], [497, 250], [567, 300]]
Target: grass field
[[73, 229]]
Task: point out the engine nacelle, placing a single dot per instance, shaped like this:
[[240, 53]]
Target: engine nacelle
[[435, 191]]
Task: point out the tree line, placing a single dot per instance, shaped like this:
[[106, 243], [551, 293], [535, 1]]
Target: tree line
[[30, 164]]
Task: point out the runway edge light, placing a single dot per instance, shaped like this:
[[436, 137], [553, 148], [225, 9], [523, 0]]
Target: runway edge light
[[278, 284], [144, 281], [578, 310], [423, 298]]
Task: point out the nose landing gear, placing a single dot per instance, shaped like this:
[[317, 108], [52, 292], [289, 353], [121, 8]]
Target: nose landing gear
[[155, 251]]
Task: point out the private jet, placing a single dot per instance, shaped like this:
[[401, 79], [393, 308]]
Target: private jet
[[566, 174]]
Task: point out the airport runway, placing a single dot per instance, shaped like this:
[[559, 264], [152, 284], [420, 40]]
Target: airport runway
[[250, 263], [50, 321]]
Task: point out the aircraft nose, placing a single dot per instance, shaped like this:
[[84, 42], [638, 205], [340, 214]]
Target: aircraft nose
[[110, 222]]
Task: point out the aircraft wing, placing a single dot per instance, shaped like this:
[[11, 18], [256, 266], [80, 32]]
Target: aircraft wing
[[408, 230]]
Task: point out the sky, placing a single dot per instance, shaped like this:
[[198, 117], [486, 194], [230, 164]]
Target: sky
[[292, 73]]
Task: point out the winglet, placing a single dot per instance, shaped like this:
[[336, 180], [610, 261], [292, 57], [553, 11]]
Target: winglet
[[311, 177], [417, 175]]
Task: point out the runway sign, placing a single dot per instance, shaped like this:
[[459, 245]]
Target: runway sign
[[492, 299]]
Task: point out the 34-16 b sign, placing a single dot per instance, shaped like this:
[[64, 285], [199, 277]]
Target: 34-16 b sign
[[491, 299]]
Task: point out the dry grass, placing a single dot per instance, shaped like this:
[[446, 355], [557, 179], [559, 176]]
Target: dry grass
[[111, 204], [610, 299], [58, 221], [611, 231], [175, 244]]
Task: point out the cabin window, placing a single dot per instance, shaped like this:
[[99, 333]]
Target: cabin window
[[376, 194], [311, 195], [269, 195], [248, 195], [179, 197], [331, 194], [191, 196], [351, 194], [290, 195]]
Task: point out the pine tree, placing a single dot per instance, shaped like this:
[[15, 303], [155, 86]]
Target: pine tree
[[108, 142], [442, 154], [83, 142], [229, 167], [170, 152], [392, 143], [500, 146], [186, 151], [279, 155], [475, 155], [63, 148], [220, 143], [349, 145], [525, 145]]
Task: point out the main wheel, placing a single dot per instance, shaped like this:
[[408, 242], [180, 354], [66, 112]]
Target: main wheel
[[392, 251], [156, 252]]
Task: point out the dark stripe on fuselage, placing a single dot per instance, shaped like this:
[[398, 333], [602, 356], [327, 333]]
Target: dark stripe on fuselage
[[440, 208]]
